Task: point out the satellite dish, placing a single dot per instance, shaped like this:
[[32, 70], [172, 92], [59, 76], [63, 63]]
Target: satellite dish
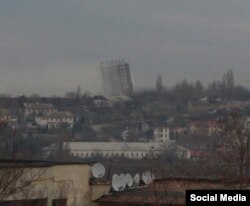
[[136, 179], [153, 177], [129, 180], [114, 176], [98, 170], [118, 183], [147, 177], [123, 177]]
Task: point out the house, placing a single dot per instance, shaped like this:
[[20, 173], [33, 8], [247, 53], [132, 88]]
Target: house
[[161, 134], [38, 108], [55, 119], [118, 100], [209, 127], [179, 130], [110, 101], [136, 130], [5, 115], [125, 134], [214, 128], [140, 126], [182, 152], [101, 101], [196, 127], [50, 150]]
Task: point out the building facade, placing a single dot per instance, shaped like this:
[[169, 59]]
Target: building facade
[[37, 108], [116, 78], [161, 134], [55, 120], [132, 150], [45, 183]]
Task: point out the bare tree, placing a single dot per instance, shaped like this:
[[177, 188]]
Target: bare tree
[[15, 179], [78, 92], [234, 145], [159, 86], [228, 83], [9, 181], [198, 89]]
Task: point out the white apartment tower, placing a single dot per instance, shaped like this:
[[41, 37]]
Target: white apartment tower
[[116, 77]]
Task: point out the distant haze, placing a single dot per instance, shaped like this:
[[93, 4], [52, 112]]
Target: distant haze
[[51, 46]]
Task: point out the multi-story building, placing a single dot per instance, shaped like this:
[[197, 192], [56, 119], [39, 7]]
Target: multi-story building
[[132, 150], [161, 134], [116, 77], [55, 120], [37, 108]]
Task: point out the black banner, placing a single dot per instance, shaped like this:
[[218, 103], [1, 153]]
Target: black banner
[[218, 197]]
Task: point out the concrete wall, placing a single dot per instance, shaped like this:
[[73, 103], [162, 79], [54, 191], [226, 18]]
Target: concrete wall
[[65, 181]]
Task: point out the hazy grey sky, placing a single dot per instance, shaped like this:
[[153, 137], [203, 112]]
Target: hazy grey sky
[[51, 46]]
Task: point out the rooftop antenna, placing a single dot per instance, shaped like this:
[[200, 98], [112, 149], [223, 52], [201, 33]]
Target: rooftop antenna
[[118, 183], [98, 170]]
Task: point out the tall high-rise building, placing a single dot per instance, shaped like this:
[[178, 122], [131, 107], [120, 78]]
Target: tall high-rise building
[[116, 77]]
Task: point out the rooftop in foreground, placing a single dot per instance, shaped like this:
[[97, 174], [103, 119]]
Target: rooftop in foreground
[[4, 163]]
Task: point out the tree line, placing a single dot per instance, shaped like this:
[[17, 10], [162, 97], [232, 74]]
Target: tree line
[[184, 91]]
